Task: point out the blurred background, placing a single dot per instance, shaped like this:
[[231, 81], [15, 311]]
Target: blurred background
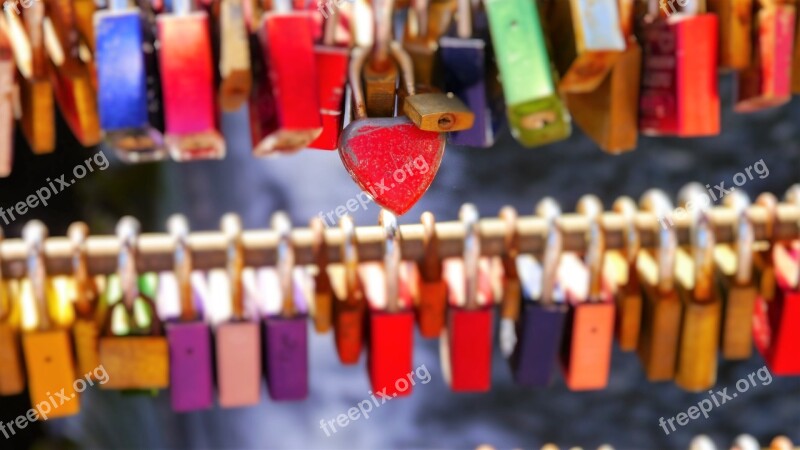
[[624, 415]]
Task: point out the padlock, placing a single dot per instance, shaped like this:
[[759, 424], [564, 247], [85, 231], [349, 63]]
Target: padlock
[[35, 88], [466, 345], [391, 317], [589, 326], [427, 21], [413, 153], [623, 268], [540, 327], [436, 111], [432, 289], [285, 320], [662, 308], [696, 366], [129, 100], [735, 32], [187, 79], [234, 56], [12, 376], [73, 84], [288, 48], [464, 63], [380, 71], [238, 340], [83, 14], [775, 330], [323, 293], [735, 277], [349, 300], [601, 85], [189, 338], [535, 111], [511, 287], [7, 87], [86, 328], [138, 357], [679, 94], [48, 351], [766, 82], [331, 61]]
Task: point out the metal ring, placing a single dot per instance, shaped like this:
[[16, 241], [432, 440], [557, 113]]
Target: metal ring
[[472, 252], [128, 235], [431, 267], [286, 260], [739, 202], [769, 202], [391, 259], [657, 203], [34, 233], [626, 207], [549, 209], [592, 208], [178, 228], [86, 290], [231, 226]]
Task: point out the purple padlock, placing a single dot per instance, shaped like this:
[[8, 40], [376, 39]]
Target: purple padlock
[[189, 338]]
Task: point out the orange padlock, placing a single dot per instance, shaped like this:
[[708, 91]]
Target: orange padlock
[[48, 350], [432, 289], [86, 329], [12, 378], [138, 357], [621, 266], [349, 304]]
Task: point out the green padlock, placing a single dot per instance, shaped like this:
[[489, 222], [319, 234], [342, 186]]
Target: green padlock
[[535, 111]]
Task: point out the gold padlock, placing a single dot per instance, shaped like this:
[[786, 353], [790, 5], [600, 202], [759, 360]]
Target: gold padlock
[[86, 329], [46, 343], [12, 378], [138, 357]]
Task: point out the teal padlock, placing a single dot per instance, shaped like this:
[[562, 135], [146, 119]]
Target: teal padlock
[[535, 111]]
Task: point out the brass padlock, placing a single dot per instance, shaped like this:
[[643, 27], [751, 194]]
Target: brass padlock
[[511, 302], [47, 346], [622, 267], [138, 357], [662, 308], [234, 55], [735, 28], [323, 293], [86, 329], [12, 376], [380, 72], [436, 111]]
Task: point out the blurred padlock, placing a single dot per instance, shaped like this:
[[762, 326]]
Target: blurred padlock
[[432, 289], [238, 340], [323, 291], [679, 94], [234, 56], [535, 111], [12, 377], [391, 318], [285, 323], [49, 359], [331, 61], [735, 32], [190, 354], [288, 48], [187, 79], [86, 328], [7, 95], [349, 301], [136, 356], [129, 100], [466, 344], [622, 266]]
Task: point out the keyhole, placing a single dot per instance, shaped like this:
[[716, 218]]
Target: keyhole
[[446, 121]]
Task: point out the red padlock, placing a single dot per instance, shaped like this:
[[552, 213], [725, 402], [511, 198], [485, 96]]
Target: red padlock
[[391, 317], [331, 63], [679, 82], [288, 48], [466, 345]]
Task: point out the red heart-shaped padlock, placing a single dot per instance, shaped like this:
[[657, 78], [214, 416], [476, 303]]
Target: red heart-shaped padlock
[[391, 159]]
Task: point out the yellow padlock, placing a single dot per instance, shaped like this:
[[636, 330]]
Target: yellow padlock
[[12, 378], [46, 341]]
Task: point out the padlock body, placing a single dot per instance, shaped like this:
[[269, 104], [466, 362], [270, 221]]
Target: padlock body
[[122, 99], [468, 348], [12, 377], [539, 334], [432, 308], [629, 314], [135, 362], [660, 332], [737, 319], [7, 100], [535, 112], [286, 358], [51, 370], [85, 333], [435, 111], [38, 115], [586, 348], [191, 369], [735, 28], [348, 329], [391, 343], [775, 331], [331, 78], [187, 78], [679, 81], [76, 99], [696, 366], [238, 357]]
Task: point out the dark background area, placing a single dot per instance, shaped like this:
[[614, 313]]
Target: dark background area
[[624, 415]]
